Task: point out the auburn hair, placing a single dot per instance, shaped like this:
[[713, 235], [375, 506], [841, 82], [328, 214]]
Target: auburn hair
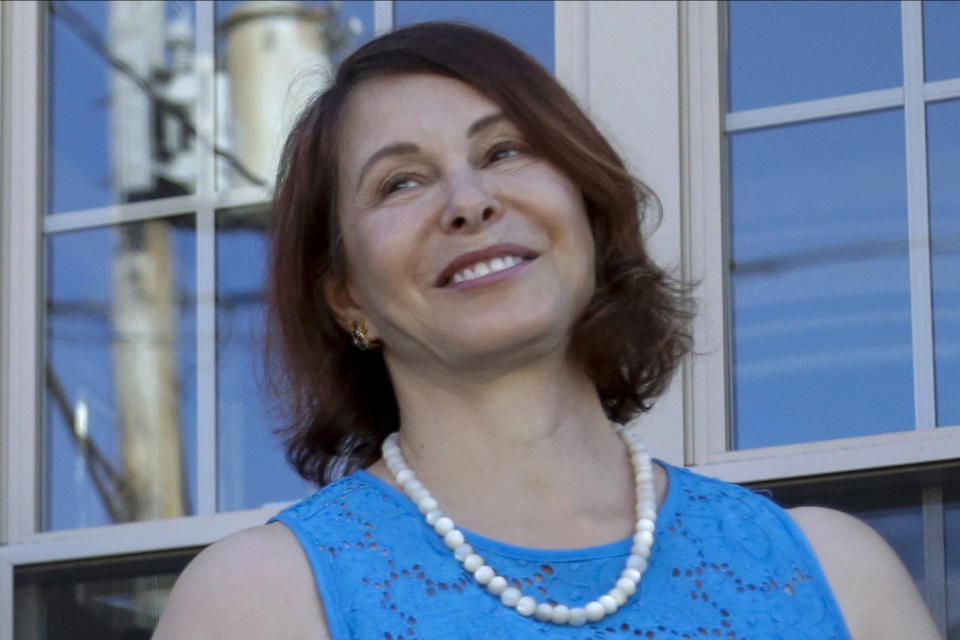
[[338, 402]]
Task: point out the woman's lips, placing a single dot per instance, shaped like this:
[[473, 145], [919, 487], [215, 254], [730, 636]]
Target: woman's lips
[[484, 264]]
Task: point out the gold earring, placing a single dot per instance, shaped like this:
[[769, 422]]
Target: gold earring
[[358, 331]]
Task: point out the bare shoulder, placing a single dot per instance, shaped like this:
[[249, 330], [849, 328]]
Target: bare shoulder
[[253, 584], [875, 592]]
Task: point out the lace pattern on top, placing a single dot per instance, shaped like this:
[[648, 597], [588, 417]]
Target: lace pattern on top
[[726, 563]]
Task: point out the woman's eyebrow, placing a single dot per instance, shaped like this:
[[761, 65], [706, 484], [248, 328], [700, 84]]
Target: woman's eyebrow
[[398, 149], [484, 122]]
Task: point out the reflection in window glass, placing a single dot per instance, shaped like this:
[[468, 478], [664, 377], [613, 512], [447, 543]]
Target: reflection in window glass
[[943, 148], [253, 470], [951, 503], [120, 374], [820, 281], [528, 24], [122, 98], [103, 599], [941, 44], [272, 57], [781, 52]]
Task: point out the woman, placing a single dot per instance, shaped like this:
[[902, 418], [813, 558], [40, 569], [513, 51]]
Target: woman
[[457, 258]]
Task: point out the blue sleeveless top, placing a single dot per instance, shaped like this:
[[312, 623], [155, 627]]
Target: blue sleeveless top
[[726, 563]]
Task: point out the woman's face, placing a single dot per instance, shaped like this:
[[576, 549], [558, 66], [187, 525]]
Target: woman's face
[[462, 243]]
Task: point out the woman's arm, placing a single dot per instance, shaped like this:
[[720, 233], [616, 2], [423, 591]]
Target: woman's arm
[[254, 584], [875, 592]]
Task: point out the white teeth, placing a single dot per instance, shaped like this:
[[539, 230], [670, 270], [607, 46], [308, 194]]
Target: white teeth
[[485, 268]]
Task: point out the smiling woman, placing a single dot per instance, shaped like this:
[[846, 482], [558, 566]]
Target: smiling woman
[[465, 317]]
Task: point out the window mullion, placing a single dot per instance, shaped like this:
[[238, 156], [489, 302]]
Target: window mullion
[[23, 72], [921, 301], [206, 264], [382, 16]]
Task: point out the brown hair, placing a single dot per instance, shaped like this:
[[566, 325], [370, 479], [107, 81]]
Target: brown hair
[[340, 400]]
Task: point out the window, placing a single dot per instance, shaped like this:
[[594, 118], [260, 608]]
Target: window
[[133, 340], [831, 230], [825, 133]]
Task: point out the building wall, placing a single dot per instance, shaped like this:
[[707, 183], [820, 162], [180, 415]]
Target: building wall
[[660, 78]]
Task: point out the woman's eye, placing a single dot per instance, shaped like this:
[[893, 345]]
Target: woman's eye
[[503, 151], [397, 184]]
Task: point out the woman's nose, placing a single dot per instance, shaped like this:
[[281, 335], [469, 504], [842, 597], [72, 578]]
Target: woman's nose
[[469, 206]]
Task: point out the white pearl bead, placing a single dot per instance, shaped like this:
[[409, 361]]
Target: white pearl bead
[[410, 486], [404, 476], [461, 552], [646, 524], [648, 514], [443, 526], [433, 516], [473, 562], [641, 552], [609, 604], [419, 494], [629, 587], [526, 606], [497, 585], [644, 538], [578, 617], [561, 614], [636, 562], [631, 574], [427, 504], [484, 574], [544, 612], [595, 611], [618, 595], [453, 539], [510, 596]]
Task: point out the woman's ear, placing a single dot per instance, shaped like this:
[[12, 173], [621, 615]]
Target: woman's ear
[[337, 295], [345, 309]]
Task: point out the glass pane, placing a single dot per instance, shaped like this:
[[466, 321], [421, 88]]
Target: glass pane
[[820, 281], [527, 24], [271, 58], [943, 164], [781, 52], [253, 470], [941, 42], [120, 392], [122, 102], [103, 599], [951, 503]]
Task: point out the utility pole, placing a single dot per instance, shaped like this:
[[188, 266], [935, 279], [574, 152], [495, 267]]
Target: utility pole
[[143, 314]]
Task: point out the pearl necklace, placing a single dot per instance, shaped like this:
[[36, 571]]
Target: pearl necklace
[[625, 585]]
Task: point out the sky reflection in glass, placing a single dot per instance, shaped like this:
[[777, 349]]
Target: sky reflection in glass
[[252, 468], [782, 52], [820, 281], [527, 24], [943, 165], [941, 34], [82, 338]]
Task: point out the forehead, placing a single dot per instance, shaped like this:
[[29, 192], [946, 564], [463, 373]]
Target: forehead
[[407, 108]]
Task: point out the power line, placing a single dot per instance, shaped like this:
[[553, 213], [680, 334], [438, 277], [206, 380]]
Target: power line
[[86, 32]]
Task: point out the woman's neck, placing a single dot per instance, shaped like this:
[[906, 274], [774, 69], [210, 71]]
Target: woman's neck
[[526, 457]]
